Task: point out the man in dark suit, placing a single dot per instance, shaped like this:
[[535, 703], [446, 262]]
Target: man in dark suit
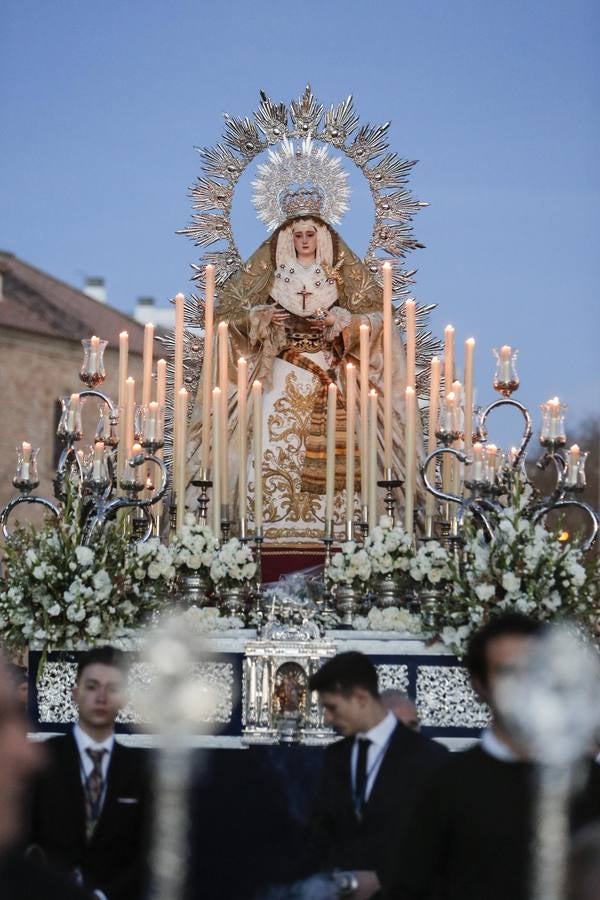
[[91, 809], [370, 779], [472, 834], [20, 878]]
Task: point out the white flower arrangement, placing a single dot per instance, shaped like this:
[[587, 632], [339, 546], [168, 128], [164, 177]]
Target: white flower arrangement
[[205, 619], [431, 565], [526, 568], [390, 619], [389, 548], [233, 565], [194, 548], [351, 567], [59, 593]]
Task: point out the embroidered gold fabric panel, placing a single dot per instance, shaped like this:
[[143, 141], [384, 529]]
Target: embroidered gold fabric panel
[[289, 511]]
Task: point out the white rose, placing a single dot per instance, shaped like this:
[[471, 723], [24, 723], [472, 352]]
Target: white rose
[[485, 591], [153, 571], [101, 581], [511, 583], [94, 625], [85, 556]]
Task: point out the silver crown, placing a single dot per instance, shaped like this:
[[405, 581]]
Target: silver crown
[[302, 202]]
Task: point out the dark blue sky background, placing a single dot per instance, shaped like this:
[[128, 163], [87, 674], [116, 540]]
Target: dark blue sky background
[[103, 103]]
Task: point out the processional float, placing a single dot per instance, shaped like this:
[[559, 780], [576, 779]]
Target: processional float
[[451, 473]]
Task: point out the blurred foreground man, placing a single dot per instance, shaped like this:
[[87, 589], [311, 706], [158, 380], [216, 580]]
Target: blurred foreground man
[[370, 780], [20, 879], [91, 809], [472, 836]]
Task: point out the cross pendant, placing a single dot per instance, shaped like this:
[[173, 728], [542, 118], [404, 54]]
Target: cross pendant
[[304, 294]]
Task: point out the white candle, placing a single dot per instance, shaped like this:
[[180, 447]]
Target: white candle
[[477, 462], [505, 354], [177, 372], [364, 412], [73, 413], [98, 463], [350, 443], [93, 358], [129, 423], [179, 329], [468, 405], [434, 408], [182, 401], [123, 359], [448, 356], [147, 363], [330, 460], [573, 456], [216, 467], [25, 466], [151, 421], [224, 417], [258, 454], [161, 395], [387, 367], [410, 459], [242, 389], [446, 461], [372, 458], [457, 428], [411, 342], [457, 391], [207, 365], [491, 456], [447, 467], [554, 406]]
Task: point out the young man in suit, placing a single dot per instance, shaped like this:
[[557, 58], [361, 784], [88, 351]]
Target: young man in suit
[[91, 805], [472, 834], [370, 780], [20, 878]]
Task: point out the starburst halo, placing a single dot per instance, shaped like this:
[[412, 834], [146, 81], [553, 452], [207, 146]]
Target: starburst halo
[[304, 167]]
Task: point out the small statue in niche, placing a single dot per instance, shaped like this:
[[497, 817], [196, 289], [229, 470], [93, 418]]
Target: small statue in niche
[[290, 692]]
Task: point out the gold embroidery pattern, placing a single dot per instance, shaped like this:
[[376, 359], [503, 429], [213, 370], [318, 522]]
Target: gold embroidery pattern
[[283, 500], [288, 427]]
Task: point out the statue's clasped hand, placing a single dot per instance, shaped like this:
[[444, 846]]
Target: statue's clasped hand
[[321, 320]]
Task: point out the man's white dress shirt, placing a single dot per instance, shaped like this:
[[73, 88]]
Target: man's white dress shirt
[[379, 736]]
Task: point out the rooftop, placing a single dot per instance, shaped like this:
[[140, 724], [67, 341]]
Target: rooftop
[[32, 300]]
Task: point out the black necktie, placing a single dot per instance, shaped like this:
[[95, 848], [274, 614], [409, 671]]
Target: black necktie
[[361, 775]]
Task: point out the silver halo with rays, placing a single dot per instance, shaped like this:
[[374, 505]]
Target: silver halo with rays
[[307, 167], [387, 175]]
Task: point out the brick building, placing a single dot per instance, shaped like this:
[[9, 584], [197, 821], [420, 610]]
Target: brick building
[[42, 322]]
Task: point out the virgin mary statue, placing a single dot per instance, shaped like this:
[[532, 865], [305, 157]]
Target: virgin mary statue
[[294, 311]]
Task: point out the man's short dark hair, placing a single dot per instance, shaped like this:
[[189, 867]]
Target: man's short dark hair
[[106, 656], [502, 625], [344, 673]]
